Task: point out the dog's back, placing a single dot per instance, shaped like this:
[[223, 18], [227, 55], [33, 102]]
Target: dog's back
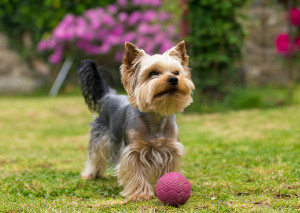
[[113, 109]]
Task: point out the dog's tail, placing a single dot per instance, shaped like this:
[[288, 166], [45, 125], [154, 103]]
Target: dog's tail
[[92, 86]]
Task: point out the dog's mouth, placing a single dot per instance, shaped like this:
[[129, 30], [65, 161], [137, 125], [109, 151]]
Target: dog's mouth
[[169, 92]]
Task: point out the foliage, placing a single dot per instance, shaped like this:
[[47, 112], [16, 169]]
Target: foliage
[[100, 31], [37, 18], [239, 98], [245, 161], [215, 40]]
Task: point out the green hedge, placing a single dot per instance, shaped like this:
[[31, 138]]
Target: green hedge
[[36, 17], [215, 40]]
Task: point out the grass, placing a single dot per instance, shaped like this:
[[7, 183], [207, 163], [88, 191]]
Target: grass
[[244, 98], [236, 161]]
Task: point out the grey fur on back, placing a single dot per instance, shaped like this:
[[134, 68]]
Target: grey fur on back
[[117, 117]]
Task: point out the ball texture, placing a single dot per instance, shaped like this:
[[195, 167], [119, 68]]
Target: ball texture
[[173, 189]]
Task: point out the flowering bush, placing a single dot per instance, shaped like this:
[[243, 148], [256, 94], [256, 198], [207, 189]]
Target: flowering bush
[[34, 19], [105, 30], [290, 44]]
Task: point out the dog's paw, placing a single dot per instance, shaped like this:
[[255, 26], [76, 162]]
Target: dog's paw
[[87, 176]]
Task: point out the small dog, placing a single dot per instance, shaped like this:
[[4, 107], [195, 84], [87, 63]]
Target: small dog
[[137, 134]]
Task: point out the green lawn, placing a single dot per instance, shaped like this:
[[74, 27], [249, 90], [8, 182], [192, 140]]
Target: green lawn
[[236, 161]]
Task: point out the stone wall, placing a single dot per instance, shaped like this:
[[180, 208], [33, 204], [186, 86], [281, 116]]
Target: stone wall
[[262, 64], [18, 75]]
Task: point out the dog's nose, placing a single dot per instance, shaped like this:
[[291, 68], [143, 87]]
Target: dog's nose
[[173, 81]]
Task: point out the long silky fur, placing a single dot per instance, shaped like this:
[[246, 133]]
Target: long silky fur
[[137, 135], [92, 86]]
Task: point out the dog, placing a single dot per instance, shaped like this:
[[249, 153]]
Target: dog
[[137, 135]]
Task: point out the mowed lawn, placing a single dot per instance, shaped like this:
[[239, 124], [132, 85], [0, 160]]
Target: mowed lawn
[[236, 161]]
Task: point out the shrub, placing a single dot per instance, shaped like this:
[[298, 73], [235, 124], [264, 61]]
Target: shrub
[[215, 40]]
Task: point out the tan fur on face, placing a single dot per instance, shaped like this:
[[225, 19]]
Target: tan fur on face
[[142, 163], [143, 91], [147, 90]]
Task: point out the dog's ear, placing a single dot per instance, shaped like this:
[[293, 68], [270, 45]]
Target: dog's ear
[[132, 54], [129, 68], [179, 52]]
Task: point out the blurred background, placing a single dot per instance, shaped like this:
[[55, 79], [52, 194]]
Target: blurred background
[[243, 53]]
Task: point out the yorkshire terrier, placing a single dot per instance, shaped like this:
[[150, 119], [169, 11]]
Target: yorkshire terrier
[[137, 134]]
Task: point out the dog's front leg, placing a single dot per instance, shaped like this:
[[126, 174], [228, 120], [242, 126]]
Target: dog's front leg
[[134, 173]]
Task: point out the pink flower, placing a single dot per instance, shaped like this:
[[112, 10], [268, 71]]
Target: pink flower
[[91, 49], [94, 16], [295, 16], [143, 28], [136, 2], [149, 47], [122, 2], [149, 15], [155, 3], [154, 29], [42, 45], [95, 23], [94, 13], [282, 42], [141, 41], [159, 37], [118, 30], [52, 43], [112, 8], [105, 47], [81, 27], [80, 22], [101, 34], [122, 16], [59, 32], [87, 47], [65, 29], [134, 18], [62, 31], [162, 16], [129, 37], [165, 45], [113, 40], [56, 57], [86, 34], [108, 20], [82, 44], [69, 18]]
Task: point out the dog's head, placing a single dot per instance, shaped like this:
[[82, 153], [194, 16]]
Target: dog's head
[[157, 83]]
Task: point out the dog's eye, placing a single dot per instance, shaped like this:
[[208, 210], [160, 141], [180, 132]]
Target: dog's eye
[[176, 73], [153, 73]]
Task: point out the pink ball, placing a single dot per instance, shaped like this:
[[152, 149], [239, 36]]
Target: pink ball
[[173, 189]]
